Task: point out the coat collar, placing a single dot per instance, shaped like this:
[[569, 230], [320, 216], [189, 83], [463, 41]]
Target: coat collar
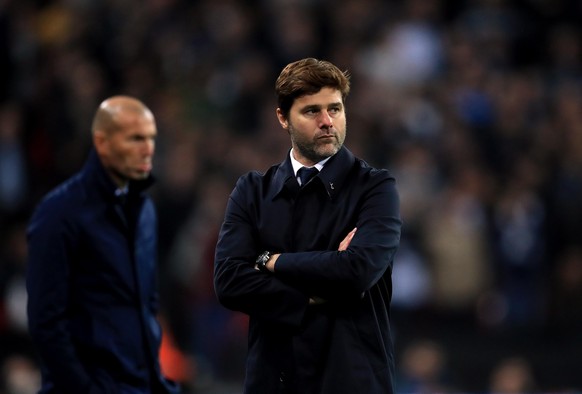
[[332, 176], [93, 170]]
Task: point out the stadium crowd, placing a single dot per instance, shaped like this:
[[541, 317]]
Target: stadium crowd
[[475, 106]]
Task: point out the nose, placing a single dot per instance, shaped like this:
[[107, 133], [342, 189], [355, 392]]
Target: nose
[[149, 147], [325, 120]]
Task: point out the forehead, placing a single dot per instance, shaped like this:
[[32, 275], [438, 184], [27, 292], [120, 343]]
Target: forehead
[[134, 122], [324, 97]]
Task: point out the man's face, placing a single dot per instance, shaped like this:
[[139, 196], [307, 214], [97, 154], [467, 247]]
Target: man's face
[[127, 153], [317, 125]]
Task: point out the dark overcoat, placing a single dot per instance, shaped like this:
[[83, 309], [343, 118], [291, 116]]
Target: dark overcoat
[[92, 291], [343, 345]]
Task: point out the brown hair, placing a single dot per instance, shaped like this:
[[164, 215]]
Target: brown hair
[[308, 76]]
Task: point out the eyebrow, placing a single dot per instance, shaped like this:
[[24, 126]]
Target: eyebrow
[[319, 106]]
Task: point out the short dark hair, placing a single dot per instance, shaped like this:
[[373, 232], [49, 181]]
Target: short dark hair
[[308, 76]]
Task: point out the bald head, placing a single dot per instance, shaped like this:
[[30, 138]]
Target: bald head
[[112, 113], [124, 134]]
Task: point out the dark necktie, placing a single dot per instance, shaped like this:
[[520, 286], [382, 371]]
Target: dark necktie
[[305, 174]]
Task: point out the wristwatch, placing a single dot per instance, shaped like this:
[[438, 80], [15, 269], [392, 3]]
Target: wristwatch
[[262, 261]]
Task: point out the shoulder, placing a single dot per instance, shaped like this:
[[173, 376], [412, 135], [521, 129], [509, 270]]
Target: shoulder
[[369, 173], [68, 193], [372, 182], [259, 179], [251, 177], [61, 202], [248, 184], [356, 169], [257, 185]]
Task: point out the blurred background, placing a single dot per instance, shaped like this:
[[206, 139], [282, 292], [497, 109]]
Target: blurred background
[[475, 106]]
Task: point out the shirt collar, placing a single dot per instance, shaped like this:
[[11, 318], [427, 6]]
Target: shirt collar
[[122, 191], [95, 172], [296, 165], [332, 177]]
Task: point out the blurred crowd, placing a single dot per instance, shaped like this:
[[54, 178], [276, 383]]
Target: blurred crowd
[[475, 106]]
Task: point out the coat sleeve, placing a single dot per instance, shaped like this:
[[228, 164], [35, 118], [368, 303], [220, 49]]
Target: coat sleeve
[[50, 244], [335, 275], [238, 285]]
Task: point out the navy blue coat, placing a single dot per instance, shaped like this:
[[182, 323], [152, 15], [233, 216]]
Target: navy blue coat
[[345, 344], [92, 290]]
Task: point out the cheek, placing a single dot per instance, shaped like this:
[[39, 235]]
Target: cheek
[[303, 129], [122, 155]]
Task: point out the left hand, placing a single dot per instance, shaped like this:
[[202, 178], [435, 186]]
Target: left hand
[[346, 241]]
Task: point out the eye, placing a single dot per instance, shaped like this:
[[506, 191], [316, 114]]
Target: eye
[[137, 138]]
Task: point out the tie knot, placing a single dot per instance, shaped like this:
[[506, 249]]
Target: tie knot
[[305, 174]]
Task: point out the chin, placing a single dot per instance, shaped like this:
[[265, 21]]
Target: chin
[[329, 152], [140, 176]]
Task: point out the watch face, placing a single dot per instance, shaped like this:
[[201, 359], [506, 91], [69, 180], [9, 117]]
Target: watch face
[[263, 258]]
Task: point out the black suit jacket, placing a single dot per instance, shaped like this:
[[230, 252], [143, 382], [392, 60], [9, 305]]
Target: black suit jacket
[[345, 344]]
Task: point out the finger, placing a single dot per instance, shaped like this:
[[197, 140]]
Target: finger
[[350, 235]]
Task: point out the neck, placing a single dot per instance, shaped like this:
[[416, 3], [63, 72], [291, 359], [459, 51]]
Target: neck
[[120, 181], [302, 160]]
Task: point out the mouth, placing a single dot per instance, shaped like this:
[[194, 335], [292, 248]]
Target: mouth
[[327, 137], [146, 167]]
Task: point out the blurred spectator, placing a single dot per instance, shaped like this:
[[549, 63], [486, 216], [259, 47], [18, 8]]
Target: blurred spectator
[[409, 51], [520, 248], [456, 241], [18, 369], [13, 167], [423, 369], [494, 26], [565, 302], [12, 273], [20, 375], [413, 280], [512, 376], [175, 363]]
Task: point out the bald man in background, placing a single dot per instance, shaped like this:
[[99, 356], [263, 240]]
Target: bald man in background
[[91, 281]]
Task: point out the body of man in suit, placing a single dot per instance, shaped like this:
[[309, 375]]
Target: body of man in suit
[[310, 260], [91, 280]]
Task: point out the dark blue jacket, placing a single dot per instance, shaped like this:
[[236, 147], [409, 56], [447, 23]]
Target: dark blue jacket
[[345, 344], [92, 290]]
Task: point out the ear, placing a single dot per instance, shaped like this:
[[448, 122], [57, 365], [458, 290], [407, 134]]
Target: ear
[[282, 120], [100, 141]]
